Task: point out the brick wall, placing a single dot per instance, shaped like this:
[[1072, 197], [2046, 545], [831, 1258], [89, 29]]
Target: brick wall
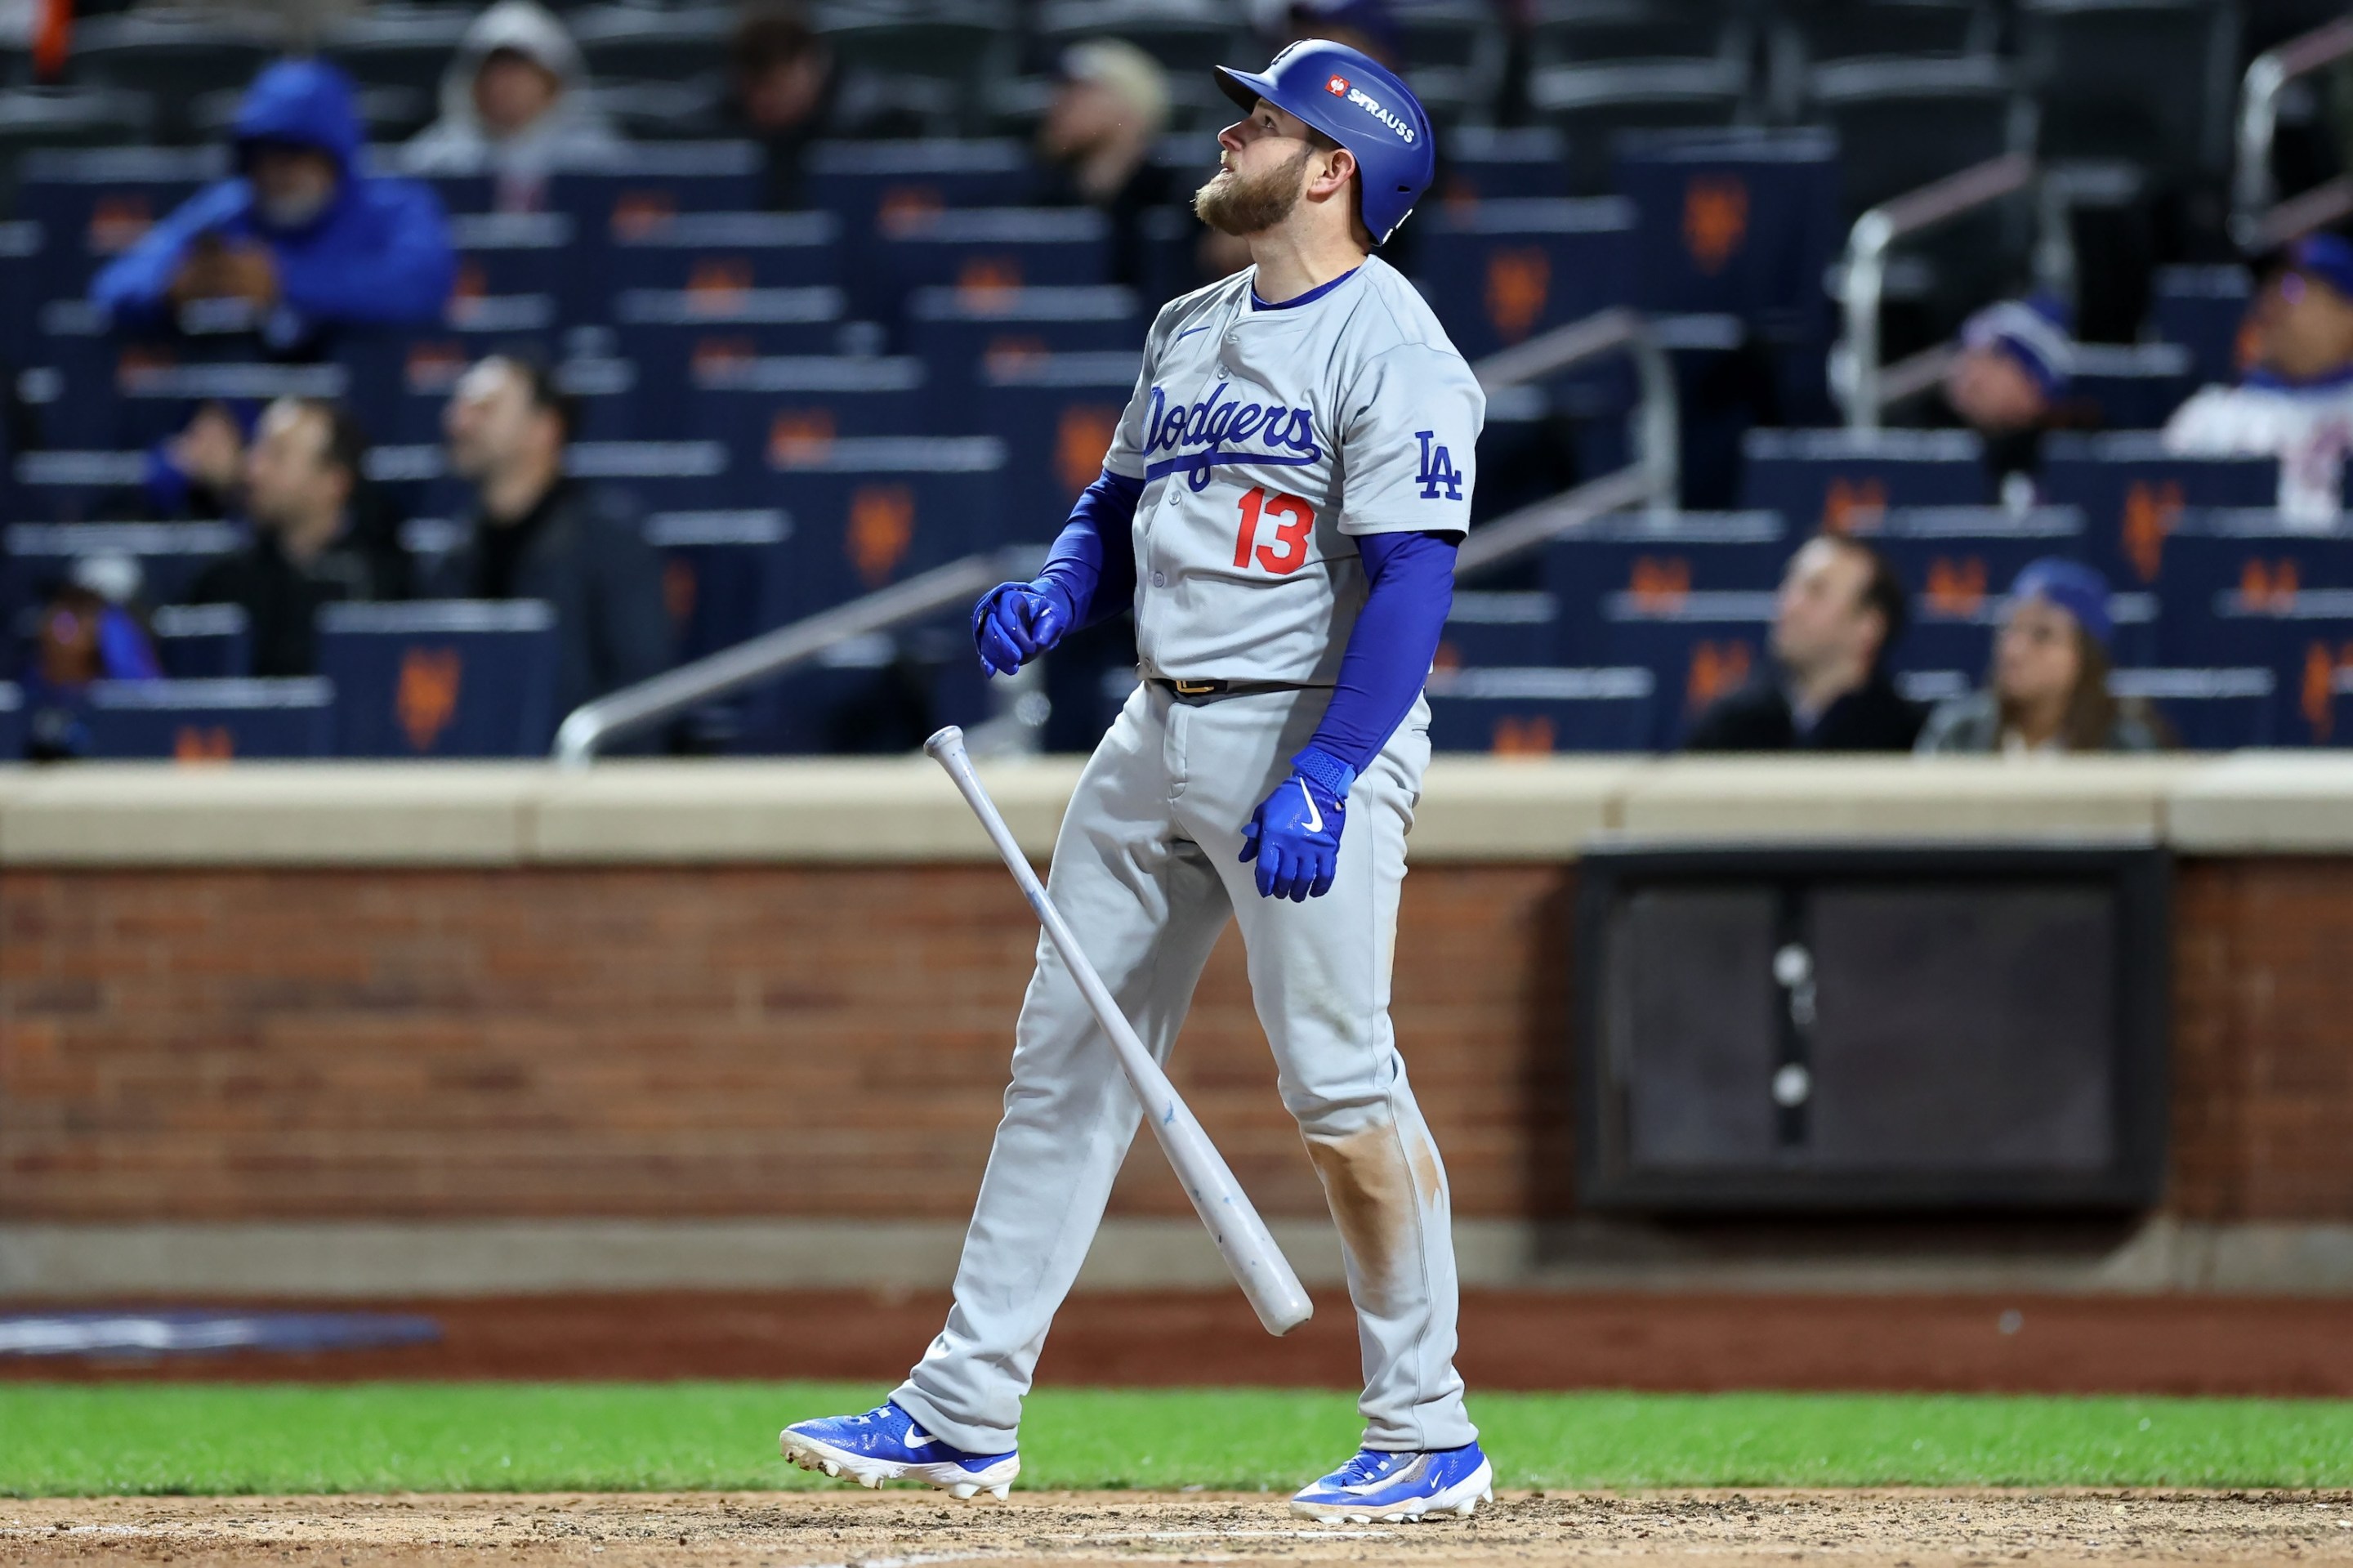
[[212, 1045]]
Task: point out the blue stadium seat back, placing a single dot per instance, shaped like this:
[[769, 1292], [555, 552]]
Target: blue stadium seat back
[[501, 255], [1529, 163], [401, 380], [1656, 560], [72, 486], [1532, 711], [727, 576], [673, 336], [2225, 572], [1743, 224], [12, 722], [211, 721], [1959, 556], [959, 334], [441, 678], [2134, 386], [2305, 637], [759, 407], [203, 641], [1500, 272], [869, 512], [169, 556], [22, 242], [155, 389], [653, 182], [93, 204], [722, 253], [865, 181], [2134, 494], [1699, 646], [985, 250], [1956, 634], [879, 693], [661, 476], [1508, 629], [2335, 730], [1843, 478], [2203, 309], [2222, 709], [1056, 416], [464, 194]]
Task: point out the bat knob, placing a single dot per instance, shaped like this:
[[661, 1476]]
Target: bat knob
[[944, 743]]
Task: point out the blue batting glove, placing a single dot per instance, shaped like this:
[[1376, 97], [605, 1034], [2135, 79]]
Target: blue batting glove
[[1015, 622], [1294, 835]]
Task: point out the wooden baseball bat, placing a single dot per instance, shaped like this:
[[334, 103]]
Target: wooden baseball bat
[[1242, 1239]]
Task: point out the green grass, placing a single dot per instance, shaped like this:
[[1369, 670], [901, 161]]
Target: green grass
[[79, 1440]]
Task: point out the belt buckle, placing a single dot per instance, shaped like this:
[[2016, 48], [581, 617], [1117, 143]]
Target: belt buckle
[[1194, 688]]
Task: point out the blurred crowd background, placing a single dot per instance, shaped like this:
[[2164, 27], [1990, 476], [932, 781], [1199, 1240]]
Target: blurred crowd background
[[389, 380]]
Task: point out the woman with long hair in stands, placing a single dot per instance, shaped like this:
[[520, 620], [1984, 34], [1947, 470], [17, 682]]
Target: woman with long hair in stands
[[2048, 691]]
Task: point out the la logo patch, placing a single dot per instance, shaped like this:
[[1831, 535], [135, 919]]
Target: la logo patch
[[1439, 475], [1337, 86]]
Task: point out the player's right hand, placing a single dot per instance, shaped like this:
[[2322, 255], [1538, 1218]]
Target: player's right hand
[[1015, 622]]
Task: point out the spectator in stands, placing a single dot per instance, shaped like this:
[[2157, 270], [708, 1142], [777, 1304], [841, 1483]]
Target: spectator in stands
[[301, 241], [2007, 383], [538, 533], [1097, 138], [515, 104], [1841, 609], [2049, 689], [784, 88], [92, 628], [2297, 402], [195, 474], [303, 480]]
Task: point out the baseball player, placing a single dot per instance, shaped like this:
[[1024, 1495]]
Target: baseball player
[[1281, 506]]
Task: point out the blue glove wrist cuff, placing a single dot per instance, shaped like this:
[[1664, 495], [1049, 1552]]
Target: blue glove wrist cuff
[[1048, 588], [1323, 767]]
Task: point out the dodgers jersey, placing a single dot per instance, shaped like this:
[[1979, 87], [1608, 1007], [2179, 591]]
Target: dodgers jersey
[[1268, 438]]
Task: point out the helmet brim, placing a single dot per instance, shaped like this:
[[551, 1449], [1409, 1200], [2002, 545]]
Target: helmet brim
[[1243, 87]]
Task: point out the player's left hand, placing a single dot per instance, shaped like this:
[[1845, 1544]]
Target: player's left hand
[[1015, 622], [1294, 837]]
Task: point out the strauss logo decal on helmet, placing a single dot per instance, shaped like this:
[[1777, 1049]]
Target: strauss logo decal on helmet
[[1370, 105]]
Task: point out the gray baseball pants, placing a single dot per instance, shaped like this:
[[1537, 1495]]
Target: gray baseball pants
[[1147, 871]]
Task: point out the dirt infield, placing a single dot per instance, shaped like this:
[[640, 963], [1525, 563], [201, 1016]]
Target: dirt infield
[[901, 1530], [2186, 1345]]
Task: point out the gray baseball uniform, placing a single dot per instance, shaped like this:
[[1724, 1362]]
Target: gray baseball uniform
[[1266, 437]]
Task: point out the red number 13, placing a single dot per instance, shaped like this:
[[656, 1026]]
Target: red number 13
[[1288, 551]]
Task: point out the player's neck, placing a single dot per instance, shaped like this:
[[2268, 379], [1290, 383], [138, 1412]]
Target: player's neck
[[1290, 264]]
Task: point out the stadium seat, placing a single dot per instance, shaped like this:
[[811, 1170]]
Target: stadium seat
[[1902, 123], [211, 721], [2304, 636], [2207, 709], [1580, 32], [726, 577], [956, 332], [507, 254], [1499, 272], [21, 245], [1488, 628], [1958, 557], [2230, 580], [671, 334], [1698, 645], [2132, 78], [441, 678], [1656, 559], [95, 203], [1803, 37], [2203, 309], [12, 722], [870, 512], [2134, 494], [203, 641], [1593, 104], [71, 486], [762, 405], [1482, 163], [985, 250], [177, 56], [1519, 711], [1843, 478], [168, 555], [866, 182], [2131, 387], [662, 475], [1459, 56], [730, 252], [650, 183], [1055, 415], [1742, 224], [151, 390]]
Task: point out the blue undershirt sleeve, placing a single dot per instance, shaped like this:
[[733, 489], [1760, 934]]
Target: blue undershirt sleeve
[[1093, 563], [1410, 579]]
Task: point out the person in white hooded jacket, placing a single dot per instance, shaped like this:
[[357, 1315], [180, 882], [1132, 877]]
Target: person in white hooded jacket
[[515, 102]]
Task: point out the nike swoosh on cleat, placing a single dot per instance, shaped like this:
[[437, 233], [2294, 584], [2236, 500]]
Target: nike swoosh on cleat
[[1315, 817], [918, 1438]]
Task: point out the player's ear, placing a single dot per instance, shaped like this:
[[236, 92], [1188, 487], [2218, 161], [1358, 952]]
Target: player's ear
[[1339, 166]]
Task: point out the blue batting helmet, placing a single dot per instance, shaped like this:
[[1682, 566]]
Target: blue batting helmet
[[1362, 105]]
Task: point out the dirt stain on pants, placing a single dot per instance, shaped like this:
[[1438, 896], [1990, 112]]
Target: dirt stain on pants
[[1378, 1185]]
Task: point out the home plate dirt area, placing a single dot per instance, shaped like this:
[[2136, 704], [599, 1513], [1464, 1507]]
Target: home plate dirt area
[[903, 1529]]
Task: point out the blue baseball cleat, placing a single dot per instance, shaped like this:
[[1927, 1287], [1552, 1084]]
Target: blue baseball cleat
[[1378, 1484], [886, 1445]]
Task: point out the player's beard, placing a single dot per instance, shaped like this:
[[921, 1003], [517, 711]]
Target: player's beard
[[1232, 204]]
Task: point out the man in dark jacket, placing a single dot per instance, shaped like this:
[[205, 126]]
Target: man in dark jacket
[[310, 544], [540, 535], [1840, 608], [300, 240]]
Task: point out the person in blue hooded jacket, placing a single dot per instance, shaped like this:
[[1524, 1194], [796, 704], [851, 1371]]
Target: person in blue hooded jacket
[[300, 240]]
